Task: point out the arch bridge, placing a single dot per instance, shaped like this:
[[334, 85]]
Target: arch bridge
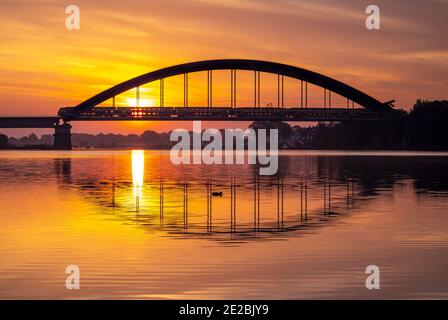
[[371, 108], [93, 109]]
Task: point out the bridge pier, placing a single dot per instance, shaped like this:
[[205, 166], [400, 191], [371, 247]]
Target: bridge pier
[[62, 136]]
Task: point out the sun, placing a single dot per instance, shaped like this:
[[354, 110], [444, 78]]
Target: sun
[[132, 102]]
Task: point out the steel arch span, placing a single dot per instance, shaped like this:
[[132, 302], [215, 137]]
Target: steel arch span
[[333, 85]]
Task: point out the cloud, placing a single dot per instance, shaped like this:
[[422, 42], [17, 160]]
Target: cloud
[[120, 40], [430, 56]]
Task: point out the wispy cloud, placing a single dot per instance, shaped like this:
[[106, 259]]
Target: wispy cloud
[[118, 40]]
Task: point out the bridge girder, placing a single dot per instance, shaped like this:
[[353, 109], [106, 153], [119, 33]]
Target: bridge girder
[[28, 122], [221, 114]]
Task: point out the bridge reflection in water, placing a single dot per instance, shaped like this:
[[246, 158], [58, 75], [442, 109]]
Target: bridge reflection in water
[[221, 202], [234, 203], [229, 205]]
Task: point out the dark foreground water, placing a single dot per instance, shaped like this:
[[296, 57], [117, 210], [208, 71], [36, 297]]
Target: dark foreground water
[[140, 227]]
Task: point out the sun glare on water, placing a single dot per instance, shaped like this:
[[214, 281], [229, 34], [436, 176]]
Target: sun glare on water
[[138, 168]]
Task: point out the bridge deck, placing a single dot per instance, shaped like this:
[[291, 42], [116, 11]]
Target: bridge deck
[[217, 114], [28, 122]]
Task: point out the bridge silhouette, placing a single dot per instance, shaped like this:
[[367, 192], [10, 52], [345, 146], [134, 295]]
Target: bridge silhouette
[[90, 109]]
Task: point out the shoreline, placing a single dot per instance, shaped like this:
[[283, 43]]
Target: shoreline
[[48, 148]]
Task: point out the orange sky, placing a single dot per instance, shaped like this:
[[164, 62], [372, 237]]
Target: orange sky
[[45, 66]]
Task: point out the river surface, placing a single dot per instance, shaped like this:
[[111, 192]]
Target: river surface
[[140, 227]]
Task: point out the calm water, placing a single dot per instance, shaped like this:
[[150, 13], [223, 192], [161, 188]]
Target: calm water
[[139, 227]]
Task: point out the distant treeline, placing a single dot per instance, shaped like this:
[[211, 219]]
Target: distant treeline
[[425, 127], [149, 139]]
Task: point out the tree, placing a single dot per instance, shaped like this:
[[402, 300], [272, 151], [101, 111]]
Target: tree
[[427, 125], [284, 129], [3, 140]]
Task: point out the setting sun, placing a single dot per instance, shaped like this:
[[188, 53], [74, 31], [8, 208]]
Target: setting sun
[[134, 102]]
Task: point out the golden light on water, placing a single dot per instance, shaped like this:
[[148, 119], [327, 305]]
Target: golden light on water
[[138, 169]]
